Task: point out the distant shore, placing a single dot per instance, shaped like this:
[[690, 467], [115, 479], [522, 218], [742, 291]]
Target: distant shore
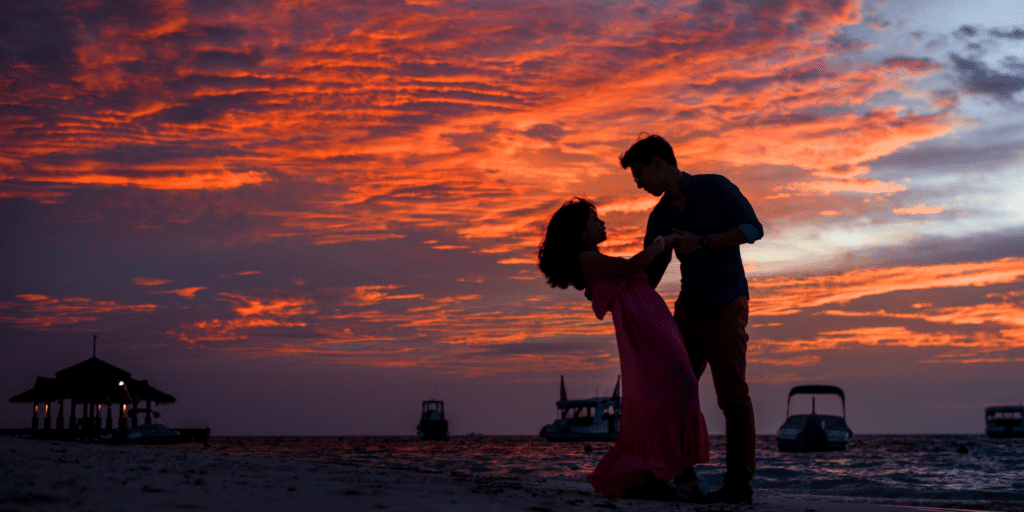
[[58, 475]]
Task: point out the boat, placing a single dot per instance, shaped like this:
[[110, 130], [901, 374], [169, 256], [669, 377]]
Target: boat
[[432, 424], [814, 432], [1004, 421], [143, 434], [590, 419]]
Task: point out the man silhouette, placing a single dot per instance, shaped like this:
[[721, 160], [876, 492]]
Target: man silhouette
[[713, 219]]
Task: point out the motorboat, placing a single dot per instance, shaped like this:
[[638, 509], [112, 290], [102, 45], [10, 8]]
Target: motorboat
[[432, 424], [590, 419], [1004, 421], [143, 434], [814, 432]]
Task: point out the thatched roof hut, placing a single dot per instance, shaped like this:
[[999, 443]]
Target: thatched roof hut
[[93, 384]]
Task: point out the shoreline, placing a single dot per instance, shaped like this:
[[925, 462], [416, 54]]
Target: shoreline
[[62, 475]]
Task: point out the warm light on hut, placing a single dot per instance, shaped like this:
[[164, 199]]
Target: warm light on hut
[[89, 385]]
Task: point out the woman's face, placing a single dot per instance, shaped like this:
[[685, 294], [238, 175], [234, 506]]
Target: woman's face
[[595, 229]]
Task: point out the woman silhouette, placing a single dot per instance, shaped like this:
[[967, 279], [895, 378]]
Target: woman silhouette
[[662, 432]]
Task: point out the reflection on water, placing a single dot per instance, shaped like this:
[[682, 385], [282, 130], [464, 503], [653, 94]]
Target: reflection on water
[[924, 470]]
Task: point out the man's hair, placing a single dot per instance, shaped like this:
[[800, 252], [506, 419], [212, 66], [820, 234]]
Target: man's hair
[[559, 254], [646, 148]]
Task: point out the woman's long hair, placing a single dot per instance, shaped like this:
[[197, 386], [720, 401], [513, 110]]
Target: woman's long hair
[[563, 242]]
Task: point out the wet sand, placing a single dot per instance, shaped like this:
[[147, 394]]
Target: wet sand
[[54, 475]]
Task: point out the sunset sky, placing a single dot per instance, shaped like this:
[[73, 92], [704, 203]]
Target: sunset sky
[[305, 217]]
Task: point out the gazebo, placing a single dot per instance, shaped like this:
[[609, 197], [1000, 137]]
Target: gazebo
[[91, 386]]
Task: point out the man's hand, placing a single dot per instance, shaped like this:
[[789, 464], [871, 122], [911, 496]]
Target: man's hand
[[686, 242]]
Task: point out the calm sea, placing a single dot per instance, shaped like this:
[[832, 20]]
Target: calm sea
[[924, 470]]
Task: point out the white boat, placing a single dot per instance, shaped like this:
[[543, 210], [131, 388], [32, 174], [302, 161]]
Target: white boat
[[143, 434], [590, 419], [432, 426], [1004, 421], [814, 432]]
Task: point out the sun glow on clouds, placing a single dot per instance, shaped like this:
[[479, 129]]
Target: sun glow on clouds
[[920, 209], [981, 328], [149, 281], [188, 293], [531, 94], [789, 295], [465, 125], [40, 311]]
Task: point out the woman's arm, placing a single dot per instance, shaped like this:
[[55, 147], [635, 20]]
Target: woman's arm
[[595, 264]]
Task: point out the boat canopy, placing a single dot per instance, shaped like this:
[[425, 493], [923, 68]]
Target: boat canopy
[[1004, 408], [433, 405], [816, 389]]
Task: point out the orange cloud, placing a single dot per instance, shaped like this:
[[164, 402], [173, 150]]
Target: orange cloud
[[804, 360], [831, 187], [369, 295], [468, 124], [193, 181], [150, 281], [790, 295], [1007, 314], [41, 312], [188, 293], [920, 209], [518, 261], [961, 347], [249, 306]]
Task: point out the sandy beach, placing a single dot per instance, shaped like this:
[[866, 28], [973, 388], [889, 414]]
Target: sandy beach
[[54, 475]]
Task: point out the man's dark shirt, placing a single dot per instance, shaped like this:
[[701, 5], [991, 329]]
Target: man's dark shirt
[[712, 277]]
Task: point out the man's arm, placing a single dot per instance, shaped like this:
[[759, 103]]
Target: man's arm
[[690, 242], [656, 227], [737, 210]]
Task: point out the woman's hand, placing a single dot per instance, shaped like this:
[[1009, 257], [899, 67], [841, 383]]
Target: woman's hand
[[670, 241], [686, 242]]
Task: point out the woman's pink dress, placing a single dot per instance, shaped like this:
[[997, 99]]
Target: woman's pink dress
[[662, 428]]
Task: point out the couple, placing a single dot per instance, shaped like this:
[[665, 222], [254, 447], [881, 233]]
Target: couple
[[704, 219]]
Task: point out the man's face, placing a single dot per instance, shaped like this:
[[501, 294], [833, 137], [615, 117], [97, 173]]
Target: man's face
[[647, 177]]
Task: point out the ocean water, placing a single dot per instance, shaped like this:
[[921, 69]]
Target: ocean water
[[923, 470]]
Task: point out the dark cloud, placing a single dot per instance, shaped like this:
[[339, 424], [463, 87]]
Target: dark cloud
[[224, 34], [129, 155], [38, 33], [1014, 33], [219, 59], [205, 81], [97, 18], [965, 158], [212, 107], [1013, 63], [966, 31], [938, 250], [976, 77], [548, 132], [569, 347]]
